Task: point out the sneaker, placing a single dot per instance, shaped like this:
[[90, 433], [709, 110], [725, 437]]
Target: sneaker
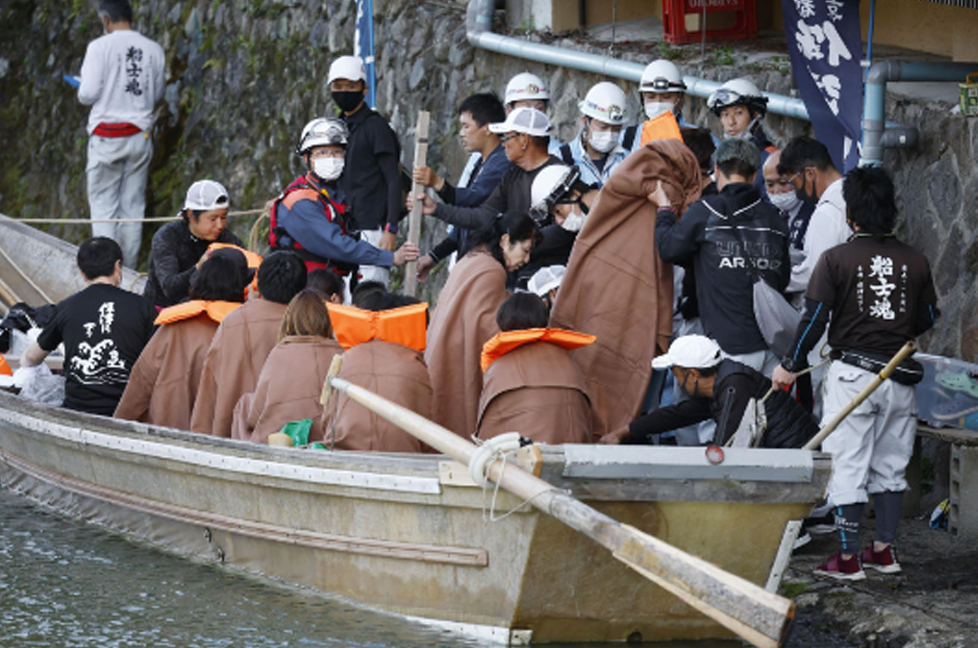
[[802, 540], [884, 561], [839, 569], [821, 525]]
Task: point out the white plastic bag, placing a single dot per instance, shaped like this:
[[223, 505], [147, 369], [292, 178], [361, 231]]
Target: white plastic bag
[[39, 385]]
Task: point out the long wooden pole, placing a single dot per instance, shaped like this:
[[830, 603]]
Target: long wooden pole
[[758, 616], [905, 351], [414, 224]]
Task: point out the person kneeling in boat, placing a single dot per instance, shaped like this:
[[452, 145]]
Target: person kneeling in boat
[[180, 248], [309, 218], [530, 384], [720, 389], [384, 342], [163, 385], [242, 343], [104, 329], [291, 380], [465, 317]]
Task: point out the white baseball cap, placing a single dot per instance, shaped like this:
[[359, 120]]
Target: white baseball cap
[[524, 120], [205, 195], [347, 67], [545, 279], [690, 352]]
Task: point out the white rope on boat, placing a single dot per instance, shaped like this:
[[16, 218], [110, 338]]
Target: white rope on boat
[[157, 219], [487, 452]]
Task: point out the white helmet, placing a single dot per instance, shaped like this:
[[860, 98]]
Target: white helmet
[[661, 76], [550, 186], [322, 131], [737, 92], [605, 102], [526, 86]]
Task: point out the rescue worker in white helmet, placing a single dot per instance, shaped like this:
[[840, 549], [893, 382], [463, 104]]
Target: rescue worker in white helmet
[[596, 151], [740, 106], [663, 90], [308, 217], [559, 191], [527, 90]]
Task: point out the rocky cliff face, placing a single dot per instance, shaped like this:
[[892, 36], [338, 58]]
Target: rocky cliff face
[[243, 77]]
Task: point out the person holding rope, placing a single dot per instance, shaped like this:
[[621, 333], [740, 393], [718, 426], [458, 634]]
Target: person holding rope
[[874, 293], [180, 248], [720, 389]]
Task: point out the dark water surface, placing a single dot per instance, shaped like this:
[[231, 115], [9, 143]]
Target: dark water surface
[[67, 584]]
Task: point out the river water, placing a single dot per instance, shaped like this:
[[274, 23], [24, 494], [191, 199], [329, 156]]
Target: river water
[[67, 584]]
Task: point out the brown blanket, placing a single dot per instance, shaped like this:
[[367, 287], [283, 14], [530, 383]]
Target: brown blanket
[[393, 371], [163, 384], [617, 288], [237, 353], [464, 320], [289, 387], [538, 391]]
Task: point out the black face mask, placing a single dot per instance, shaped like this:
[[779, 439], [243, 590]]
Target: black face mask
[[348, 100], [803, 194]]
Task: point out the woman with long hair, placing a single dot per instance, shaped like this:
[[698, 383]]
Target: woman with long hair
[[291, 381], [465, 317]]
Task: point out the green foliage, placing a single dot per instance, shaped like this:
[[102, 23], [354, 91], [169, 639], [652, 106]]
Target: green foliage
[[723, 55], [791, 590], [668, 52]]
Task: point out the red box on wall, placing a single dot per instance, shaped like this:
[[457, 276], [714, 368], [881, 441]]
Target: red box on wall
[[742, 12]]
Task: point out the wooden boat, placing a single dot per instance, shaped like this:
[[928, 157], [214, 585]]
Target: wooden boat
[[412, 534]]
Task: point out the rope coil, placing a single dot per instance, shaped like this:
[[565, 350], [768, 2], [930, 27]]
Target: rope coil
[[487, 452]]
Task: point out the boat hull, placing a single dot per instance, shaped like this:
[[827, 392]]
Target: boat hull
[[410, 534]]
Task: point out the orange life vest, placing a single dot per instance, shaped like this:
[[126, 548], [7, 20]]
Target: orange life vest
[[4, 367], [664, 126], [406, 325], [216, 310], [506, 341]]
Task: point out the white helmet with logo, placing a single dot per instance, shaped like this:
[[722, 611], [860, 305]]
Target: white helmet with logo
[[550, 187], [661, 76], [322, 131], [525, 86], [737, 92], [605, 102]]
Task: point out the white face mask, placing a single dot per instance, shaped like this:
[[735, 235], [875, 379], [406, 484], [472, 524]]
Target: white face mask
[[655, 108], [574, 221], [604, 141], [327, 168], [786, 201]]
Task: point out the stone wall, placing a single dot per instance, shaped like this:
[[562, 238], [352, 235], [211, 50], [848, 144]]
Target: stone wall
[[244, 76]]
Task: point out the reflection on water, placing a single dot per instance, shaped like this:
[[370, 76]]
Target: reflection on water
[[67, 584]]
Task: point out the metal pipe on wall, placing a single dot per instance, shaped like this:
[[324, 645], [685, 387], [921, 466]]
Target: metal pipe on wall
[[876, 132], [479, 27]]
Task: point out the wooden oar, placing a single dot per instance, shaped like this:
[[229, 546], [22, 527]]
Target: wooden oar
[[759, 616], [905, 352]]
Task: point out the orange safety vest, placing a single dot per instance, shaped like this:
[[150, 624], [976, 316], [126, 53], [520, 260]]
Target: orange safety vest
[[506, 341], [664, 126], [406, 325], [4, 367], [216, 310]]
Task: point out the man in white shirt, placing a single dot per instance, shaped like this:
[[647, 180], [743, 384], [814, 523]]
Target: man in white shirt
[[121, 79], [808, 166]]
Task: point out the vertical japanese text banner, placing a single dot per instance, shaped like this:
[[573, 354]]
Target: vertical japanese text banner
[[826, 47], [363, 46]]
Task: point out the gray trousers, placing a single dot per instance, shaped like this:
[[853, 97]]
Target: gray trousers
[[117, 170]]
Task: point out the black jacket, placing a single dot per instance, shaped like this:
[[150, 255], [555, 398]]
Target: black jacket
[[788, 424], [712, 235]]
